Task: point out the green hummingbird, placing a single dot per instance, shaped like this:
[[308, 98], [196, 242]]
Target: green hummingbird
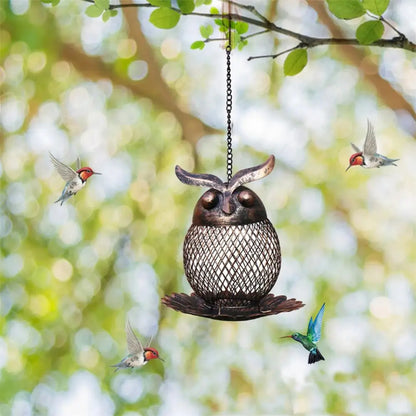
[[312, 337]]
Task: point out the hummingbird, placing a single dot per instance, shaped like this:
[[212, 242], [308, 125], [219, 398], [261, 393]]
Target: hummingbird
[[75, 180], [368, 157], [138, 356], [312, 337]]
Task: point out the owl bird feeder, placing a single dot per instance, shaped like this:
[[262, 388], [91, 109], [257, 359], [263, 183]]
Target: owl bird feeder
[[231, 252]]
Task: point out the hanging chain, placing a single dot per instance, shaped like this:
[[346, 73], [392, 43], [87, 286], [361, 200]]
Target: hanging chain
[[229, 102]]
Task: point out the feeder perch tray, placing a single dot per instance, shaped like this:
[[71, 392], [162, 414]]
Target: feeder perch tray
[[195, 305]]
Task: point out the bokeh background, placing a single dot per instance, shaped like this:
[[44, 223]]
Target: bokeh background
[[133, 101]]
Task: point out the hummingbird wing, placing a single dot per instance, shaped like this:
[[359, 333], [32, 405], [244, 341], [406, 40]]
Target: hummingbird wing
[[310, 327], [370, 144], [150, 341], [314, 328], [134, 346], [67, 173], [356, 148]]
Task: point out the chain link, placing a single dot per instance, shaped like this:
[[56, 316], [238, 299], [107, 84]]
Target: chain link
[[229, 105]]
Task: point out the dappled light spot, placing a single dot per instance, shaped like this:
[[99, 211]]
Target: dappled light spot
[[88, 357], [171, 72], [23, 335], [126, 48], [114, 297], [15, 361], [5, 226], [86, 288], [19, 7], [170, 48], [60, 71], [373, 272], [39, 305], [36, 61], [105, 344], [12, 115], [139, 190], [3, 352], [62, 270], [399, 404], [11, 265], [137, 70], [82, 397], [70, 233], [13, 65], [128, 387], [311, 204], [347, 334], [405, 346], [71, 315], [87, 258], [260, 84], [380, 307], [2, 74], [340, 237], [103, 244]]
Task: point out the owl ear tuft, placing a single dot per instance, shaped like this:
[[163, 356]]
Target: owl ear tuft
[[251, 174], [201, 179]]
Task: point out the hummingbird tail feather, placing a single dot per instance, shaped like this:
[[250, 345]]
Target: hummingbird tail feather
[[314, 356]]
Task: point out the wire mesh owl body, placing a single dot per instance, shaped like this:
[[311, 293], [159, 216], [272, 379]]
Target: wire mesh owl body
[[231, 252], [234, 265]]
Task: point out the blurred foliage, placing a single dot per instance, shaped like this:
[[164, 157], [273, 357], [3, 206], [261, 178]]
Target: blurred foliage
[[70, 275]]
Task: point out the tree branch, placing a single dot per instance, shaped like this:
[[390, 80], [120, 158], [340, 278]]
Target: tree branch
[[368, 69], [94, 68], [400, 42], [301, 45], [397, 42]]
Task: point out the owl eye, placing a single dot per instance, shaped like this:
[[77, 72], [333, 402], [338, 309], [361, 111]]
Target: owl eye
[[209, 200], [246, 199]]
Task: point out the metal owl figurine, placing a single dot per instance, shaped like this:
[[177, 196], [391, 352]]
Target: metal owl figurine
[[231, 252]]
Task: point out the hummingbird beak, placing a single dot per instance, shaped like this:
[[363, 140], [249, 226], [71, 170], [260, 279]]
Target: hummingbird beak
[[161, 359], [97, 173], [348, 168], [287, 336]]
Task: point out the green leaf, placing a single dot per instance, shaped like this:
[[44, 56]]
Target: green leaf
[[93, 11], [106, 15], [199, 44], [164, 18], [295, 62], [214, 10], [377, 7], [241, 27], [241, 44], [346, 9], [102, 4], [235, 39], [51, 2], [369, 32], [160, 3], [186, 6], [206, 31], [218, 22], [201, 2], [113, 12]]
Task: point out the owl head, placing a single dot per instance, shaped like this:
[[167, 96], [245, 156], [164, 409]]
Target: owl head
[[228, 203]]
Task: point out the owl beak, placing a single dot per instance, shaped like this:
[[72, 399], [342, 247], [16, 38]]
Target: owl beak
[[228, 207]]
